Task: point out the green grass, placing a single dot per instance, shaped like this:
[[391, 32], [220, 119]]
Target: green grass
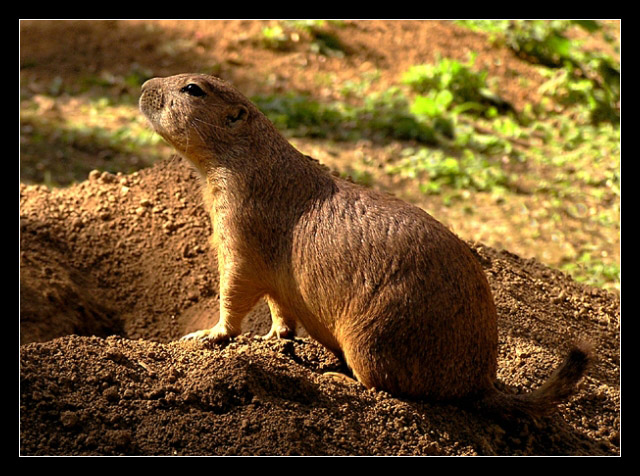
[[577, 76], [437, 171], [314, 34], [381, 116]]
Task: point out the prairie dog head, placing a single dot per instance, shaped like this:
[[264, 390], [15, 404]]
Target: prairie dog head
[[202, 117]]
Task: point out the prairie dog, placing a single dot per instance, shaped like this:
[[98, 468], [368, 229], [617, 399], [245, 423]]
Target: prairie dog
[[376, 280]]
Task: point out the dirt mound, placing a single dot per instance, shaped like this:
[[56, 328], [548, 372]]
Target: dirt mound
[[114, 269]]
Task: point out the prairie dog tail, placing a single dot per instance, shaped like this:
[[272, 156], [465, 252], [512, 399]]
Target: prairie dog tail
[[557, 389]]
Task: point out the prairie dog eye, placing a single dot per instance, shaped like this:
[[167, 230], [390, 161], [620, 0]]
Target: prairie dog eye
[[193, 90]]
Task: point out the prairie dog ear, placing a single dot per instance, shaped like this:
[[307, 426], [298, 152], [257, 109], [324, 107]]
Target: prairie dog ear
[[236, 115]]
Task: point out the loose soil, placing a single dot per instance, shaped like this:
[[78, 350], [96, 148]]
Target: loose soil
[[115, 267]]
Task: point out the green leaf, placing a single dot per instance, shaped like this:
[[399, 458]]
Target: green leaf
[[443, 99], [425, 105]]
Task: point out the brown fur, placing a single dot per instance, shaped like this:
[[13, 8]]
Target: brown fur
[[376, 280]]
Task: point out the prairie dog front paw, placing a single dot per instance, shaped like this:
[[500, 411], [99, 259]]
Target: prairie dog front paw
[[215, 334]]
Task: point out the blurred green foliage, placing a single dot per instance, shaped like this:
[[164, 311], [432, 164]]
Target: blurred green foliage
[[448, 83], [315, 34], [382, 116], [577, 75]]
